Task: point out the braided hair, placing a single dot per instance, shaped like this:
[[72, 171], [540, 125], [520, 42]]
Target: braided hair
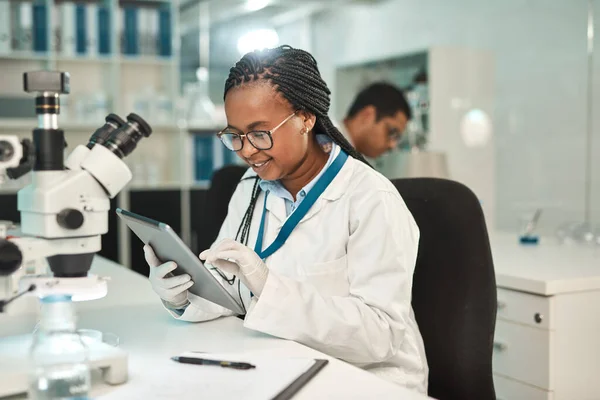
[[295, 75]]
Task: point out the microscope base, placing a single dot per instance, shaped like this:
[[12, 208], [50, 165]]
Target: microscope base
[[14, 369], [90, 287]]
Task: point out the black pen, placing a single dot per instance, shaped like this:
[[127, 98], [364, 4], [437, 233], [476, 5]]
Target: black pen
[[204, 361]]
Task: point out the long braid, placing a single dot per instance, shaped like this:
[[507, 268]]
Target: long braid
[[295, 74]]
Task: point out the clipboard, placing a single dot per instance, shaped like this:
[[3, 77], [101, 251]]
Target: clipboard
[[276, 378], [302, 380]]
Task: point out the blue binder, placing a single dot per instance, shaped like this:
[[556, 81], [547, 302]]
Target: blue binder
[[164, 31], [203, 166], [130, 29], [103, 30], [40, 31], [80, 29]]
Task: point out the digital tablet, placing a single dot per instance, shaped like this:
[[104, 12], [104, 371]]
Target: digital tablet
[[168, 246]]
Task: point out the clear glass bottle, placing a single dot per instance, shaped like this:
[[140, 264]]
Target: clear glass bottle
[[59, 357]]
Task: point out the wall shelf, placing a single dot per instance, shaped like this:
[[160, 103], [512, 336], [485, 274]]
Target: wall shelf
[[204, 130], [144, 186], [144, 3], [85, 59], [146, 60], [13, 125], [116, 75], [25, 55], [9, 190], [79, 127], [18, 125]]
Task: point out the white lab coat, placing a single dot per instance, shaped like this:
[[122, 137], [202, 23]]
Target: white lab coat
[[341, 283]]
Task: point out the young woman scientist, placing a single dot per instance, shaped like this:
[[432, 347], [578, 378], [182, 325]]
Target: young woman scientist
[[341, 281]]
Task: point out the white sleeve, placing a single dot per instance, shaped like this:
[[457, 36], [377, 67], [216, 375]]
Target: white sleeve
[[199, 309], [369, 324]]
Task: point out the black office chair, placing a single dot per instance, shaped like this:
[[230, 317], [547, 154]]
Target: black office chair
[[454, 288], [222, 186]]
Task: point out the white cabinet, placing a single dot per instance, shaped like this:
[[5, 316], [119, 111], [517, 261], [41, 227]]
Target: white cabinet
[[508, 389], [548, 321], [523, 352]]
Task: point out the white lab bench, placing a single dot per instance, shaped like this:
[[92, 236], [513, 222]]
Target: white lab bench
[[151, 336], [546, 344], [546, 341]]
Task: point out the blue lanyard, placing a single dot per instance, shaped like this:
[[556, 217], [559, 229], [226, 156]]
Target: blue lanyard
[[297, 215]]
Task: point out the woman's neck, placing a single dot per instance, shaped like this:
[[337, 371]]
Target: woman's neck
[[309, 168]]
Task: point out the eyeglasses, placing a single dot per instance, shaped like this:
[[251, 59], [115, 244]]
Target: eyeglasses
[[261, 140]]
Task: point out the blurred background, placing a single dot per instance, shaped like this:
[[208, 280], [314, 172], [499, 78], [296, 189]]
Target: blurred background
[[503, 93]]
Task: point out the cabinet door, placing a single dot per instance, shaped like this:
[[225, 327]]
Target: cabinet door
[[160, 205], [209, 208], [524, 354], [8, 208], [202, 235], [525, 308], [509, 389]]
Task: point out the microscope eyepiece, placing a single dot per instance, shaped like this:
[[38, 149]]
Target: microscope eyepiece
[[114, 119], [102, 134], [124, 140]]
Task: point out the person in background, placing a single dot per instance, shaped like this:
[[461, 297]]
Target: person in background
[[318, 246], [376, 119]]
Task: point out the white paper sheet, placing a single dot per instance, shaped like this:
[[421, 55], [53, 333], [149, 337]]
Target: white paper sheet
[[168, 379]]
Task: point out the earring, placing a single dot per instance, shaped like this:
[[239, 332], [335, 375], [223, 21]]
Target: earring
[[305, 132]]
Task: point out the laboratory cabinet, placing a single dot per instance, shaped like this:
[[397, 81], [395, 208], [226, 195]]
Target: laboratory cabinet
[[546, 340], [200, 237]]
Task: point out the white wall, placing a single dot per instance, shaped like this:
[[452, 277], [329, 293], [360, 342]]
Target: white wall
[[296, 34], [595, 114], [540, 105]]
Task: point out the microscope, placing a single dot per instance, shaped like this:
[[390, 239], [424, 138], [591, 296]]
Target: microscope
[[64, 211]]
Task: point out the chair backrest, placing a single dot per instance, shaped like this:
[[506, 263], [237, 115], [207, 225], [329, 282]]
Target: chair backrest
[[222, 186], [454, 287]]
